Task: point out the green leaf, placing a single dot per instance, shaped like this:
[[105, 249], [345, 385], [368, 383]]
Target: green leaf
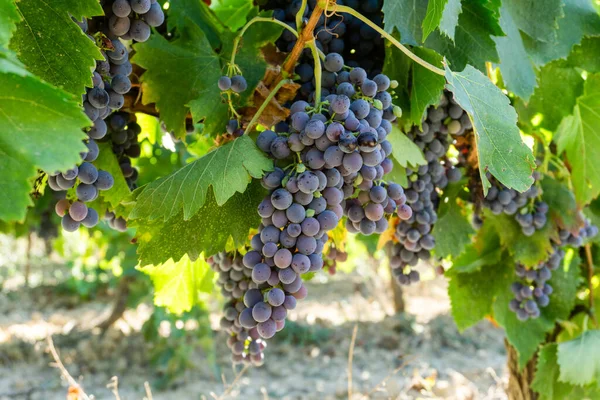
[[249, 59], [107, 161], [452, 231], [405, 151], [526, 336], [227, 169], [52, 46], [40, 127], [581, 19], [530, 250], [207, 231], [583, 55], [485, 250], [8, 21], [443, 14], [515, 65], [426, 86], [538, 19], [178, 72], [472, 294], [178, 284], [199, 13], [398, 174], [407, 17], [579, 136], [397, 66], [473, 43], [578, 359], [563, 207], [232, 12], [500, 148]]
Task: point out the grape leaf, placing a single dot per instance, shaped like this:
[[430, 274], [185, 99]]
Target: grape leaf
[[426, 86], [485, 250], [178, 284], [526, 336], [442, 14], [397, 174], [581, 19], [232, 13], [178, 72], [200, 14], [515, 65], [8, 21], [52, 46], [405, 151], [538, 19], [578, 359], [561, 201], [452, 231], [207, 231], [249, 59], [579, 136], [107, 161], [40, 127], [500, 148], [227, 169], [584, 57], [473, 42], [472, 294], [530, 250], [407, 17]]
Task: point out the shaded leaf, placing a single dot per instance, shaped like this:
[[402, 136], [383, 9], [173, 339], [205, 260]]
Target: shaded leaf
[[538, 19], [561, 201], [405, 151], [452, 231], [232, 13], [427, 86], [407, 17], [578, 359], [107, 161]]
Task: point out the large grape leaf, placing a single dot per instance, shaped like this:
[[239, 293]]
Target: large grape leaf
[[579, 136], [249, 59], [407, 17], [526, 336], [232, 13], [199, 13], [40, 127], [563, 207], [405, 151], [538, 19], [581, 19], [473, 43], [8, 21], [515, 65], [452, 231], [52, 46], [472, 294], [207, 231], [107, 161], [177, 285], [578, 359], [227, 169], [178, 72], [426, 86], [500, 148], [485, 250], [442, 14]]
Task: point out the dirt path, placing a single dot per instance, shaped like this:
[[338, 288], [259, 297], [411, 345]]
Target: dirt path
[[309, 361]]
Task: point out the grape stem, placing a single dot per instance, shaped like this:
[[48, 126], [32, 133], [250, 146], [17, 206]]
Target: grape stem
[[266, 103], [299, 16], [313, 48], [238, 38], [590, 270], [410, 54]]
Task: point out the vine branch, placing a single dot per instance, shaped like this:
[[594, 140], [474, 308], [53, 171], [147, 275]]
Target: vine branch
[[305, 36], [410, 54]]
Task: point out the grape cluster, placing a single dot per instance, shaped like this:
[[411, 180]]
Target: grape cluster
[[532, 291], [235, 84], [234, 279], [332, 257], [415, 241], [123, 135], [529, 212], [360, 44], [132, 19]]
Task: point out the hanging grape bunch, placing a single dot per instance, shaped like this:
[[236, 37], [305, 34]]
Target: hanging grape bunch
[[414, 239], [235, 84], [123, 136], [132, 19]]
